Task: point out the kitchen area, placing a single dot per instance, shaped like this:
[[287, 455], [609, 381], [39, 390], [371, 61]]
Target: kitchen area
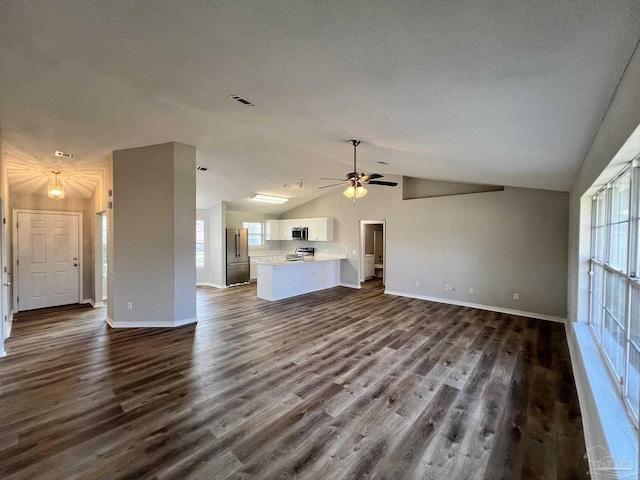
[[251, 256]]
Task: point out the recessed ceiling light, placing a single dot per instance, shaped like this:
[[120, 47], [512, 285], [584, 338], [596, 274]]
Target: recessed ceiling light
[[238, 98], [65, 154], [258, 197]]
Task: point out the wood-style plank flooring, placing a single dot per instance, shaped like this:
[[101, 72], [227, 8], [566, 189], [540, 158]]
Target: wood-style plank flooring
[[338, 384]]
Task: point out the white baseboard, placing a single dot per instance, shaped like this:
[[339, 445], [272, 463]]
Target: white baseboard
[[156, 324], [97, 304], [210, 284], [349, 285], [86, 300], [508, 311]]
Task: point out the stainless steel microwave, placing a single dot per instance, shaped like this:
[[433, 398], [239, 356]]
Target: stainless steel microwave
[[299, 233]]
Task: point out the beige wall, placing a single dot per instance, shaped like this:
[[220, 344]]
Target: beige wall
[[498, 243], [152, 236], [21, 201]]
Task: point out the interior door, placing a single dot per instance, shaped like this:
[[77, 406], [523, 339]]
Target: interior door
[[48, 260]]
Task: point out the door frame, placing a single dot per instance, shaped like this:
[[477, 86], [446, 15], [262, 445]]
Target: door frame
[[98, 282], [14, 227], [4, 315], [384, 248]]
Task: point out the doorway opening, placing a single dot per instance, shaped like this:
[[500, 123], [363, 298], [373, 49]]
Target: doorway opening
[[100, 263], [373, 250]]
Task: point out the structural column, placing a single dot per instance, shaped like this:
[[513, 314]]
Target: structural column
[[151, 237]]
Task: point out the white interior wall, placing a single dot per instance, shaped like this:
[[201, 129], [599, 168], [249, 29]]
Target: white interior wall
[[217, 222]]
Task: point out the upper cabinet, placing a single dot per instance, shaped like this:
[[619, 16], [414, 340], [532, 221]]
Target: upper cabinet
[[320, 229], [285, 229], [272, 230]]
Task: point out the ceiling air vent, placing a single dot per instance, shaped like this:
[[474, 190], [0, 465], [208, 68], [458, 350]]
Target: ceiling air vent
[[202, 169], [242, 100], [65, 154]]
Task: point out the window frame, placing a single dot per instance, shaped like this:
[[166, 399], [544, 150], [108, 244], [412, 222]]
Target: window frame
[[203, 243], [628, 275], [260, 235]]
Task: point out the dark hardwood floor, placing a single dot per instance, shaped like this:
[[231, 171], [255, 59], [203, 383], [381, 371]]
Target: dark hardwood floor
[[336, 384]]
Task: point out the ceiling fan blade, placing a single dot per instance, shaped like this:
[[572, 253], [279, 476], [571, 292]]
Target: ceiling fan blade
[[366, 178], [332, 185], [377, 182], [336, 179]]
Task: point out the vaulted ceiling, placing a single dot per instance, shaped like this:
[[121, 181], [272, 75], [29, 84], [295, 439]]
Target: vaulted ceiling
[[481, 91]]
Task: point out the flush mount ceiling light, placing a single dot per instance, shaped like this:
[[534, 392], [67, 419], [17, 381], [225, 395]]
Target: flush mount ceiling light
[[56, 191], [258, 197]]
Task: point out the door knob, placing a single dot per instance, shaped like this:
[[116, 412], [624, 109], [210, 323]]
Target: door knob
[[75, 264], [8, 284], [75, 258]]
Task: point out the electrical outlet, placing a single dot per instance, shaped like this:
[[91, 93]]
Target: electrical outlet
[[516, 296], [353, 252], [471, 290], [129, 305], [417, 284]]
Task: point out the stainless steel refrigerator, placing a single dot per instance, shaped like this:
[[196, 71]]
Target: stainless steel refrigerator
[[237, 255]]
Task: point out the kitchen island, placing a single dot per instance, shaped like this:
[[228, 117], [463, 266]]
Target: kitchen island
[[280, 279]]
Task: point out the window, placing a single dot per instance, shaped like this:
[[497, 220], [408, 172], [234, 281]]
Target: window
[[200, 244], [255, 233], [614, 314]]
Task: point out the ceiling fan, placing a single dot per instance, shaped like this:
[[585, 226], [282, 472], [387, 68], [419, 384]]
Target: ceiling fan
[[356, 180]]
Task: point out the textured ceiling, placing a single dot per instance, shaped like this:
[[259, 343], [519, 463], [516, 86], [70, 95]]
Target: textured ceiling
[[497, 92]]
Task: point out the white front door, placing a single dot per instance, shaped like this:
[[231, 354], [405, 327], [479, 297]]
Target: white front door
[[48, 260]]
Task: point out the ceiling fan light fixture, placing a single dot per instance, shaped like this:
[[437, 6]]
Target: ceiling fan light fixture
[[258, 197], [357, 192], [55, 191]]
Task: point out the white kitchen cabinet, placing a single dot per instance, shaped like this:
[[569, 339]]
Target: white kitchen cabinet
[[285, 229], [369, 268], [320, 229], [253, 266], [272, 230]]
